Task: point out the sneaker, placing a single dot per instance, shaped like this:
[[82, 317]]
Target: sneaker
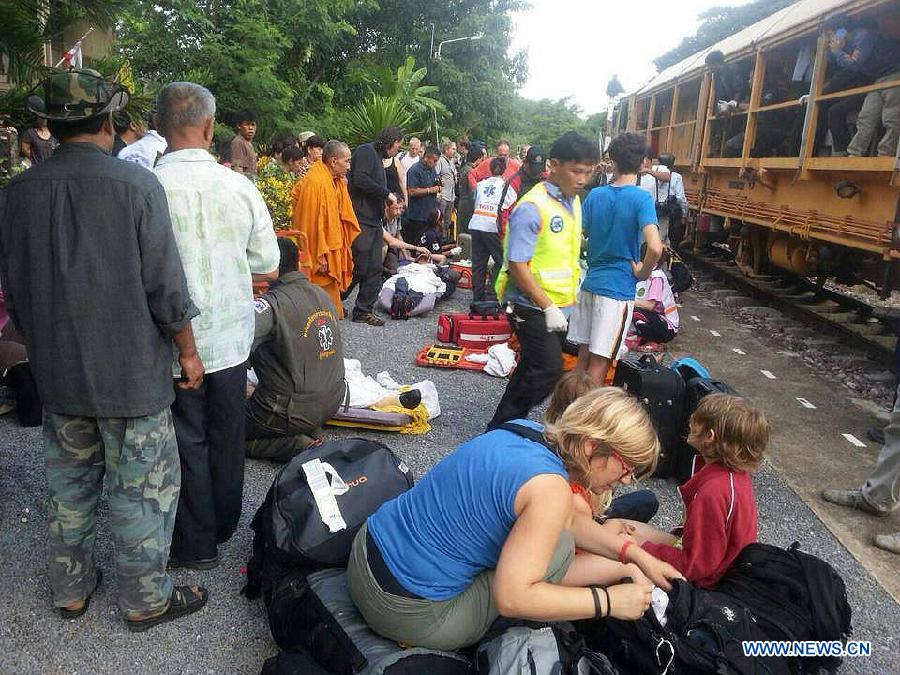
[[889, 542], [852, 498], [368, 317]]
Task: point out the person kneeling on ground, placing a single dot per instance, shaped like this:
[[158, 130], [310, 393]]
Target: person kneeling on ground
[[720, 509], [298, 358], [491, 530], [655, 315], [639, 505], [432, 240]]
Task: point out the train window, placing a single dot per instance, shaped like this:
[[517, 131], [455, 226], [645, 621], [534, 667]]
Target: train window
[[862, 59], [730, 100], [662, 110], [642, 112], [688, 95]]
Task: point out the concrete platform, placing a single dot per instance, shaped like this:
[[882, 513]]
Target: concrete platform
[[808, 447]]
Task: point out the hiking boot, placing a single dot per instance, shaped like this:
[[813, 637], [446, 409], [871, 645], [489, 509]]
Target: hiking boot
[[889, 542], [368, 317], [852, 498]]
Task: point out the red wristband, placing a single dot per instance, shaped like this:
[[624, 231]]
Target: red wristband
[[622, 550]]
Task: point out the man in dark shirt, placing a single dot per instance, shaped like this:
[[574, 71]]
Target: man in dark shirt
[[423, 187], [92, 278], [368, 192]]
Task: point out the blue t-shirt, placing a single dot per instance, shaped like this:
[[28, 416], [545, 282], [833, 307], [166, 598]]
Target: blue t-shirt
[[613, 218], [450, 526], [420, 176]]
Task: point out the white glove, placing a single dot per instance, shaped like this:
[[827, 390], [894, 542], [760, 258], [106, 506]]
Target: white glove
[[721, 107], [555, 319], [456, 251], [733, 105]]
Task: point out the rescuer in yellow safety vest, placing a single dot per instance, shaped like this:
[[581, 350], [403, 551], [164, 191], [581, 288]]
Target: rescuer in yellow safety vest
[[540, 274]]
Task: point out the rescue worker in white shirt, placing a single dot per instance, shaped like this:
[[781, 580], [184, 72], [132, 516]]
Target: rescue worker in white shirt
[[486, 242], [541, 271], [667, 188]]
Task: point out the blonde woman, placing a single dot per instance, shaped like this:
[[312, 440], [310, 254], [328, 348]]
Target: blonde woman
[[491, 530]]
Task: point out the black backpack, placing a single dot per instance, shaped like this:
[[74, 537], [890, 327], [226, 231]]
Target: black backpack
[[794, 596], [300, 527], [515, 646], [315, 613], [680, 277], [703, 633]]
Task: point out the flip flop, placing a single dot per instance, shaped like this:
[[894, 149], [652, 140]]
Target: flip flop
[[183, 601], [75, 613]]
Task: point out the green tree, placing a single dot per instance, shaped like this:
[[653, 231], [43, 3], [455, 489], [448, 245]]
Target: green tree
[[717, 23], [26, 24]]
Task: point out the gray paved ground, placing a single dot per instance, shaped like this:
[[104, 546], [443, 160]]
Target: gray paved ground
[[230, 635]]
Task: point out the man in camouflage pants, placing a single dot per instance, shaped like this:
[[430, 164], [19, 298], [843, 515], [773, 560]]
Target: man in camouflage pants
[[92, 278]]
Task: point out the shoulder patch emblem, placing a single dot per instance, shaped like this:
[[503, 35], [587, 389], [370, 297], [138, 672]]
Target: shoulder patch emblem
[[260, 305], [556, 224]]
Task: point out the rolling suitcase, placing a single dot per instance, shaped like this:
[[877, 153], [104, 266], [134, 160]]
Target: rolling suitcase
[[686, 461], [661, 391]]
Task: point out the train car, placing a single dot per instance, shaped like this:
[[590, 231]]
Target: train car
[[761, 173]]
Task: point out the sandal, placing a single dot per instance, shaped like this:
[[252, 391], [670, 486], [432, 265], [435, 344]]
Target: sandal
[[75, 613], [183, 601]]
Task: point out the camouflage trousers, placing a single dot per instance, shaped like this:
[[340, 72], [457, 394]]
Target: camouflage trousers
[[138, 456]]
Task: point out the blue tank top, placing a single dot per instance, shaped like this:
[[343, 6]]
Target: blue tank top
[[450, 526]]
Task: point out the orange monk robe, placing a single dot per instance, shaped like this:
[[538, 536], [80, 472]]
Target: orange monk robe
[[323, 212]]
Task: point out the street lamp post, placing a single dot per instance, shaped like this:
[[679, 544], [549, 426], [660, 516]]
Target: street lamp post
[[436, 56]]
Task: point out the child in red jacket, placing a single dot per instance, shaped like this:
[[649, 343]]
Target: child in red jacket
[[720, 509]]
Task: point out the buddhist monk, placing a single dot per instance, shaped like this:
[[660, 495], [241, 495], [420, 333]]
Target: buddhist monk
[[323, 212]]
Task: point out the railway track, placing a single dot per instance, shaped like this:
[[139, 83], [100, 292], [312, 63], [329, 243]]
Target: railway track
[[856, 323]]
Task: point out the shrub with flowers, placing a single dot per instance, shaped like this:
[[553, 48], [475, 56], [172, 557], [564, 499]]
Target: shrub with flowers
[[275, 184]]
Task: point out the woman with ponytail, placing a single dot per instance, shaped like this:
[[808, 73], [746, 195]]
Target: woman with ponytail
[[491, 531]]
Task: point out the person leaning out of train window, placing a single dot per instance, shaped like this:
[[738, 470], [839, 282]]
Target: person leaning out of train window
[[857, 56], [731, 82]]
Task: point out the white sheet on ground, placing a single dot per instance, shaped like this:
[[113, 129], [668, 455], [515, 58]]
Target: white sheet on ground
[[420, 278], [365, 390]]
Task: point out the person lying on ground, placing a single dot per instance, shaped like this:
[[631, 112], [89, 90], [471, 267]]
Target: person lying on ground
[[655, 316], [299, 361], [720, 509], [491, 530]]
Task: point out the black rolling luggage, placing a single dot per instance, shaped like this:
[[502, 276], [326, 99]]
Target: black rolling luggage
[[661, 391]]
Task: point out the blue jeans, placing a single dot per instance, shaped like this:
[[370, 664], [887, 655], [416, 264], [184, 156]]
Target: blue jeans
[[640, 505]]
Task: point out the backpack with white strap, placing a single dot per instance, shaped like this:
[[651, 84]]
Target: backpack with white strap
[[317, 504]]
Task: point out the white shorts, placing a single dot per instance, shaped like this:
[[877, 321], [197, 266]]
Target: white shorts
[[601, 323]]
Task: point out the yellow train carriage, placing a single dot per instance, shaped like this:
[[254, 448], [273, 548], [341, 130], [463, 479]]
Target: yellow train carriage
[[755, 169]]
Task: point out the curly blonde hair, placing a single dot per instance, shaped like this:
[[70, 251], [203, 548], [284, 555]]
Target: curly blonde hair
[[616, 422], [741, 431]]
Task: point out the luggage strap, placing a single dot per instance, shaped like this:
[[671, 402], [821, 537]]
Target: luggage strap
[[529, 433], [325, 484]]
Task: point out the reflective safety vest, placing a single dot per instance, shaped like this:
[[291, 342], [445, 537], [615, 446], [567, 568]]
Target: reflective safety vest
[[554, 263]]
